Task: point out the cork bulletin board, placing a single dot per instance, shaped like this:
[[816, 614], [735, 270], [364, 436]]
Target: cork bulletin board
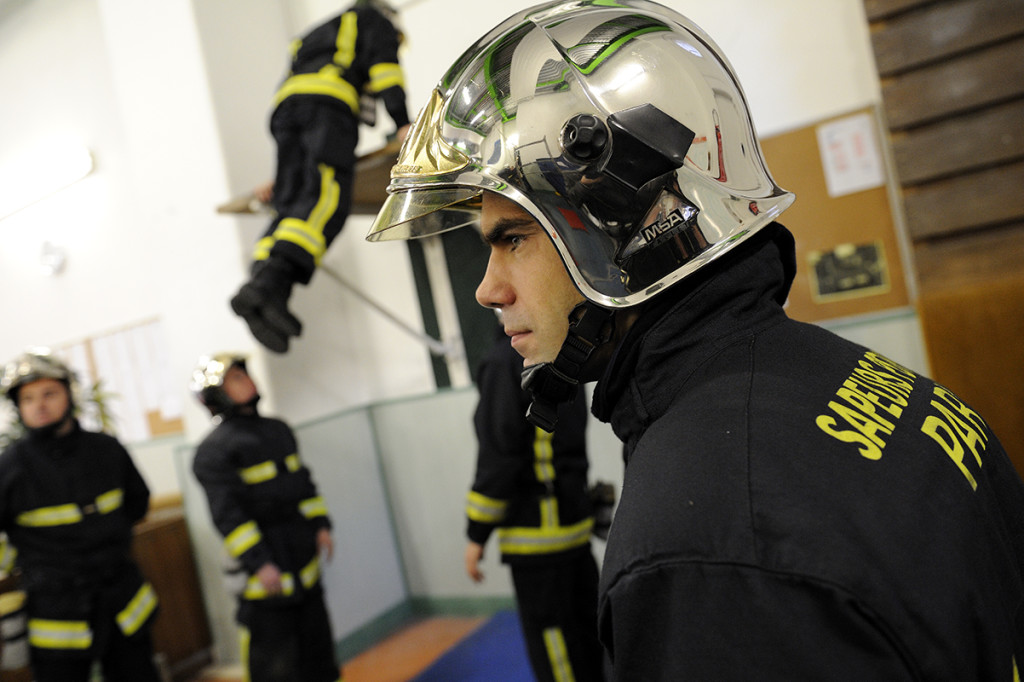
[[849, 259]]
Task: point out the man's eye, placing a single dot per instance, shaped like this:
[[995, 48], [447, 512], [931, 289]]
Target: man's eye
[[516, 240]]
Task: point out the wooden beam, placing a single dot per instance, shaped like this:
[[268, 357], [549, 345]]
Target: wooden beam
[[960, 144], [937, 32], [966, 202], [980, 79]]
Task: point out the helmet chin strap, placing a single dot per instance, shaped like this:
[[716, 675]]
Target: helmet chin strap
[[556, 382]]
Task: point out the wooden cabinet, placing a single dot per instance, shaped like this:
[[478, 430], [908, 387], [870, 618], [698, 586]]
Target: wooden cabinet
[[181, 633]]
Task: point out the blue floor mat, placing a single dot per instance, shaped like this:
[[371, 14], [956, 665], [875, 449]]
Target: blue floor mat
[[494, 652]]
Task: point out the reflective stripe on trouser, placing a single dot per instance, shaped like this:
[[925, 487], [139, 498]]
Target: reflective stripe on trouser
[[558, 655]]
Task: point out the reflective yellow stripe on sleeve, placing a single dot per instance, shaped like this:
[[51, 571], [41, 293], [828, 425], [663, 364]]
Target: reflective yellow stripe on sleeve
[[310, 573], [242, 539], [138, 610], [485, 509], [266, 471], [50, 516], [254, 588], [313, 507], [258, 473], [59, 634], [8, 554], [308, 577], [110, 501], [384, 76]]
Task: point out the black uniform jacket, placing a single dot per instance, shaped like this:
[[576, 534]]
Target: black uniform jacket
[[797, 507], [263, 501], [68, 505], [349, 55], [530, 485]]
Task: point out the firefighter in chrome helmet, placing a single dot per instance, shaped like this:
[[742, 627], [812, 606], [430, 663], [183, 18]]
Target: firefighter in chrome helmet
[[275, 527], [208, 381], [68, 501], [619, 127], [794, 506], [32, 366]]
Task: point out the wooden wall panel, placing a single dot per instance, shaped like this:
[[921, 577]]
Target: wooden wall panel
[[978, 79], [880, 9], [960, 144], [971, 259], [163, 551], [976, 350], [953, 83], [913, 40], [965, 202]]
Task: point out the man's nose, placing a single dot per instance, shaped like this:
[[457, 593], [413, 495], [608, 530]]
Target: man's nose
[[494, 290]]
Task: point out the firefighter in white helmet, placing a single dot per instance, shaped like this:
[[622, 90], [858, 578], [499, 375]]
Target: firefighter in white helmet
[[795, 506]]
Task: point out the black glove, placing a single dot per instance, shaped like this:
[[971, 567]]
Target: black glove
[[263, 303]]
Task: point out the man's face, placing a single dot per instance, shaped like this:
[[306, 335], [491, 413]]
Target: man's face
[[43, 402], [238, 386], [526, 280]]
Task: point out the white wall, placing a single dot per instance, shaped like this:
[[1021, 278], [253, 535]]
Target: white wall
[[172, 98]]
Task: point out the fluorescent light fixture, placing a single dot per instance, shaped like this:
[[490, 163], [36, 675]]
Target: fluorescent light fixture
[[34, 176]]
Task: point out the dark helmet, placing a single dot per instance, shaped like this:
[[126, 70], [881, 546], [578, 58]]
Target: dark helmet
[[208, 380], [619, 126]]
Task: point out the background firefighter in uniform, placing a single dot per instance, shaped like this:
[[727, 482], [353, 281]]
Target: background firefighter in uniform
[[315, 124], [531, 486], [264, 502], [68, 500], [795, 506]]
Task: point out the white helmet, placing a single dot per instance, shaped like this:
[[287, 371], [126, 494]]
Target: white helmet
[[619, 126]]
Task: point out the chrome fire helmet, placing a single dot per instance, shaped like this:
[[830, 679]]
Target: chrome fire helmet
[[618, 125], [208, 380], [33, 365]]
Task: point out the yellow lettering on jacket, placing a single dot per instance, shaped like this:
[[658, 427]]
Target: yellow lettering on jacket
[[870, 400], [957, 428], [869, 427], [870, 450], [893, 403]]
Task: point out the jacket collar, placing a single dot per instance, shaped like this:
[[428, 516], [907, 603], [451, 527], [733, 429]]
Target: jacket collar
[[683, 328]]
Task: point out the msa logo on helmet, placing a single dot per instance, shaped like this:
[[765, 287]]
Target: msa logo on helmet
[[670, 222], [669, 216]]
